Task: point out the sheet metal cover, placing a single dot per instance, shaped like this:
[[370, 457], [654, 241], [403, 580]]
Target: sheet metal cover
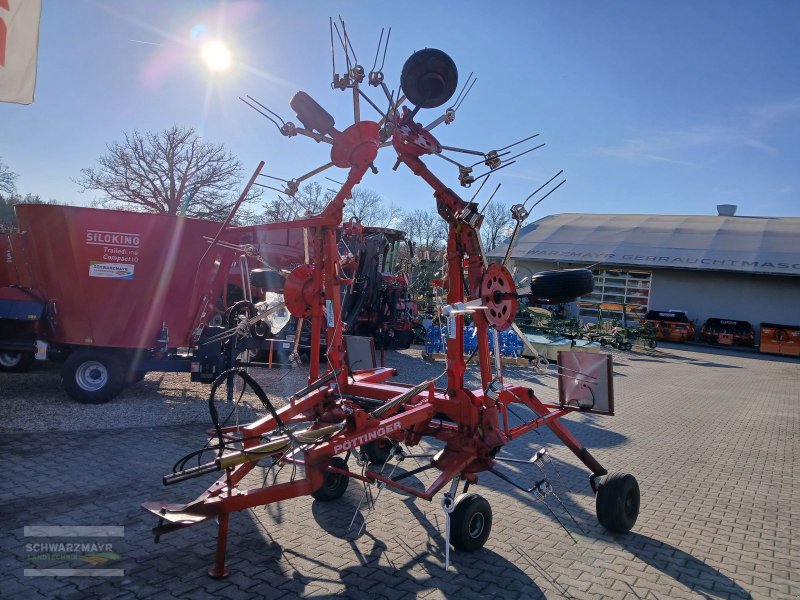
[[738, 244]]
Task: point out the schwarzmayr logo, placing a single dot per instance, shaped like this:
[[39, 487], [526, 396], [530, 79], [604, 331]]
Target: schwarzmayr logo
[[88, 547]]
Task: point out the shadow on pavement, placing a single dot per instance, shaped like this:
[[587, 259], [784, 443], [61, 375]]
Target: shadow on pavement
[[682, 567]]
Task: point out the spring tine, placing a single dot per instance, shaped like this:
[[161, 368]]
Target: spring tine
[[490, 197], [459, 100], [377, 51], [274, 122], [479, 189], [530, 137], [539, 189], [535, 204]]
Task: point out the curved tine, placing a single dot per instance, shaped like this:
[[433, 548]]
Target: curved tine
[[385, 48], [272, 112], [530, 137], [274, 122], [344, 47], [269, 187], [273, 177], [459, 99], [377, 52], [490, 197], [541, 187], [516, 156], [479, 190], [347, 39], [333, 52], [535, 204], [503, 166], [486, 157]]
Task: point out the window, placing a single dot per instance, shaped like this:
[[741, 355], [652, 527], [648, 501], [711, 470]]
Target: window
[[616, 292]]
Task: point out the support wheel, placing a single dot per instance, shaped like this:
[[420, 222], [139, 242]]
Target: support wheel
[[617, 502], [15, 362], [378, 452], [333, 485], [652, 344], [92, 375], [470, 522]]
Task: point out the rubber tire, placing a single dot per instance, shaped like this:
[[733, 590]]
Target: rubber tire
[[652, 344], [603, 342], [16, 362], [114, 372], [403, 339], [378, 451], [470, 522], [562, 286], [617, 502], [333, 485], [134, 377]]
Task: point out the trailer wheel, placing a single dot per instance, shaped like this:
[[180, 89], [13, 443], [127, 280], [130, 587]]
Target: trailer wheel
[[333, 485], [15, 362], [617, 502], [470, 522], [92, 376]]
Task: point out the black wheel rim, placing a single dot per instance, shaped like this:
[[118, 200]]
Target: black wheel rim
[[476, 525], [630, 505]]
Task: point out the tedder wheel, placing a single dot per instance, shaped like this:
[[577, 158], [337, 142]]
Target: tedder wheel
[[603, 342], [92, 376], [15, 362], [617, 502], [378, 452], [470, 522], [652, 343], [333, 484], [562, 286]]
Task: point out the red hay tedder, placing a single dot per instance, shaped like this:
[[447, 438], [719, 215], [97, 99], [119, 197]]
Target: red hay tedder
[[351, 406]]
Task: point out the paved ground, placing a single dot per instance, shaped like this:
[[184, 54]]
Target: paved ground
[[713, 438]]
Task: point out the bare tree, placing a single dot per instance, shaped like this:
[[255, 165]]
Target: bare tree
[[310, 199], [8, 216], [497, 225], [427, 230], [166, 171], [7, 180], [370, 208]]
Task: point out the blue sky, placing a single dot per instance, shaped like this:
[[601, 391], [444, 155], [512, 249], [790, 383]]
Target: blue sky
[[649, 107]]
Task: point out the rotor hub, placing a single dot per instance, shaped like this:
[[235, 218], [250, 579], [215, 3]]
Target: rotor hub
[[498, 295]]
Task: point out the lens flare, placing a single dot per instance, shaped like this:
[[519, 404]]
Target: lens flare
[[216, 55]]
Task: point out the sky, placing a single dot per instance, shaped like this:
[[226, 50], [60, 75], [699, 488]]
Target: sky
[[647, 106]]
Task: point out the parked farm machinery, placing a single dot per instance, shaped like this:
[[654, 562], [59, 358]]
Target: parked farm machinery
[[351, 408]]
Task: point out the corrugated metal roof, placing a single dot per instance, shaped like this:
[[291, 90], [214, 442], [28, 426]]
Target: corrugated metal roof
[[745, 244]]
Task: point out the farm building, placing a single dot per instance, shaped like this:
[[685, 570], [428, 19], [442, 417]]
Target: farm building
[[730, 267]]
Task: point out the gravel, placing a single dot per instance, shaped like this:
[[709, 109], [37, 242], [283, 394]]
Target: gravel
[[35, 401]]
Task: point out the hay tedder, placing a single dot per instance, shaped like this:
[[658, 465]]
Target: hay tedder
[[350, 408]]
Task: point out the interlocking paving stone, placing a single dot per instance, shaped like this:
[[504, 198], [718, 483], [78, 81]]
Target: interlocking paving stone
[[711, 435]]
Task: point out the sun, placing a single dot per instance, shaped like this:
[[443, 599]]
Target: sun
[[216, 55]]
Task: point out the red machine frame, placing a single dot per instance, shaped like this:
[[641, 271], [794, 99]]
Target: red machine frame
[[472, 424]]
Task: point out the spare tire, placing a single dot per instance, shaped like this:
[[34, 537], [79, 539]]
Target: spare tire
[[561, 286], [267, 280]]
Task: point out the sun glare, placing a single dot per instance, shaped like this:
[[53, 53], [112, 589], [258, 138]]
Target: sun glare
[[216, 55]]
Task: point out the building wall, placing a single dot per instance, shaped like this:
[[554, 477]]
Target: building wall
[[704, 294], [753, 298]]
